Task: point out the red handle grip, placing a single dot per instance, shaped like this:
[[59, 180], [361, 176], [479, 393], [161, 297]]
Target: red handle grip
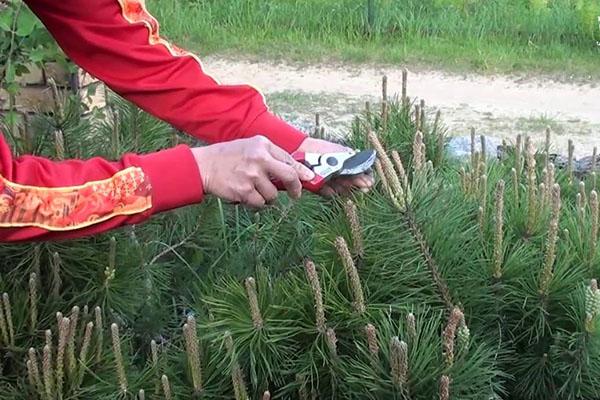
[[314, 185]]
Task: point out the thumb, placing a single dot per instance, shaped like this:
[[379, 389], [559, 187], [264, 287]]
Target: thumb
[[304, 173]]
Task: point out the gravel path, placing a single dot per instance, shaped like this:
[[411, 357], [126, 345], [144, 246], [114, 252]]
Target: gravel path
[[497, 106]]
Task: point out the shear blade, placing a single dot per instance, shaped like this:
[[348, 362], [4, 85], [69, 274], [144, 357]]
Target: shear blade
[[358, 163]]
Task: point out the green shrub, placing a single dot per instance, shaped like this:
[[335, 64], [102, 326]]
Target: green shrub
[[449, 280]]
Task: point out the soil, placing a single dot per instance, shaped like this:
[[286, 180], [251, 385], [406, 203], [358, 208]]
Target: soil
[[498, 106]]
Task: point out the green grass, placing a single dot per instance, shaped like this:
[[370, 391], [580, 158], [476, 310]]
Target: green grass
[[487, 36]]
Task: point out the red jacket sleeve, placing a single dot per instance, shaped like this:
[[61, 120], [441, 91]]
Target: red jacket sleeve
[[45, 200], [119, 42]]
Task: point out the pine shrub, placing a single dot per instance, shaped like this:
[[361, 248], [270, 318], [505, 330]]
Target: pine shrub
[[449, 280]]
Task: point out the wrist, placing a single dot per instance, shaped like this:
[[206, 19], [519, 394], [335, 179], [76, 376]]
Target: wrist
[[201, 157]]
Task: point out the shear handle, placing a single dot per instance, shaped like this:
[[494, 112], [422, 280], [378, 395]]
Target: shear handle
[[314, 185]]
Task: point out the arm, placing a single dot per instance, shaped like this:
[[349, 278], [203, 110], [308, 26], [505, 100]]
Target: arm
[[45, 200], [118, 42]]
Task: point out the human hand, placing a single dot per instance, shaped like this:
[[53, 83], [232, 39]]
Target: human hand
[[243, 171], [341, 185]]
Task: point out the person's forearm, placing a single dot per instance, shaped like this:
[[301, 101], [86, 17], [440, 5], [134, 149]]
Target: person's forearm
[[45, 200], [119, 42]]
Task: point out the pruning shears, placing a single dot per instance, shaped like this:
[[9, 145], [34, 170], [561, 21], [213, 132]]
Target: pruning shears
[[329, 166]]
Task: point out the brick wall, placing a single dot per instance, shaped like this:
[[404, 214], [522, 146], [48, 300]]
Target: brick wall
[[36, 94]]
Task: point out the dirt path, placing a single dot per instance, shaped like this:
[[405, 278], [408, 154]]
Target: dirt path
[[497, 106]]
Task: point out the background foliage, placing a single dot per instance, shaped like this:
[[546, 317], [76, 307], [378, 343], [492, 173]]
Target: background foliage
[[24, 42], [494, 35]]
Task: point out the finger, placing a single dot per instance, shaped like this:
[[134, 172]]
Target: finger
[[339, 188], [287, 175], [327, 191], [363, 181], [267, 190], [254, 199], [304, 173], [345, 182]]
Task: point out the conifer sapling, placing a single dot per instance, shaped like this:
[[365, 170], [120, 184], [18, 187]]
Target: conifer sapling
[[445, 387], [35, 372], [519, 156], [570, 166], [592, 305], [253, 300], [400, 167], [418, 154], [395, 188], [355, 228], [483, 149], [551, 176], [449, 335], [463, 335], [71, 339], [4, 326], [85, 346], [595, 210], [48, 336], [550, 254], [515, 181], [331, 340], [166, 387], [499, 230], [33, 300], [371, 333], [110, 270], [352, 274], [30, 377], [384, 115], [418, 126], [531, 185], [99, 333], [63, 335], [55, 265], [480, 218], [543, 194], [119, 364], [582, 193], [383, 178], [237, 375], [483, 193], [463, 179], [154, 357], [313, 279], [411, 326], [47, 372], [398, 361], [193, 354]]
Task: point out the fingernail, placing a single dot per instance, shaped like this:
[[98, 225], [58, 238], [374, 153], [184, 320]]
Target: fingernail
[[307, 174]]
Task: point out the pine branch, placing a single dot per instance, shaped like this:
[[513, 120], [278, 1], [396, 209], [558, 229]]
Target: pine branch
[[439, 282]]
